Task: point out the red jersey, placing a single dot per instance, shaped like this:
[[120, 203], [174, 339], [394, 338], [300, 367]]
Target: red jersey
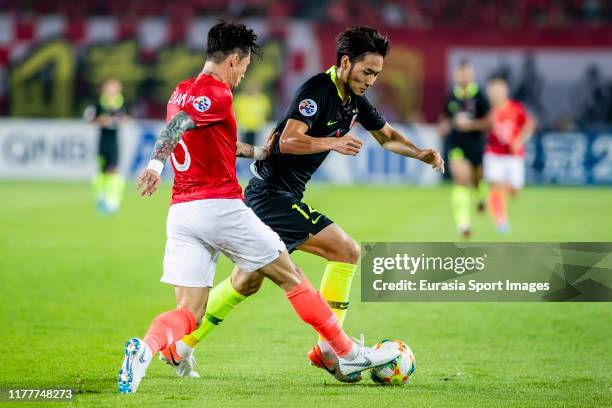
[[204, 161], [507, 124]]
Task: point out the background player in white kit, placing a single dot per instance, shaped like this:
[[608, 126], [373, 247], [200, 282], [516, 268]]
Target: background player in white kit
[[208, 215]]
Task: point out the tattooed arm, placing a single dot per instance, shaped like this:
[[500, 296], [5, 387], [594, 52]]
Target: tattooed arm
[[244, 150], [170, 136], [251, 152], [165, 144]]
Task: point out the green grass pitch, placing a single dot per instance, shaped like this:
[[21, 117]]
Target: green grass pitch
[[76, 285]]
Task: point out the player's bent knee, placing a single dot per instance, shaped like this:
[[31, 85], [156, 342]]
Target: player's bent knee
[[351, 251], [247, 284], [348, 251]]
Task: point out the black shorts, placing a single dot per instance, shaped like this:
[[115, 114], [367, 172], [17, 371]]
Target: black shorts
[[293, 220], [469, 148], [108, 151]]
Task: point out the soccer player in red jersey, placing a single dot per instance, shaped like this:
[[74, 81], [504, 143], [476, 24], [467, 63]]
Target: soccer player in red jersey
[[504, 166], [207, 215]]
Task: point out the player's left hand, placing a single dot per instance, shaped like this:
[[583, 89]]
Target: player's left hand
[[431, 156], [149, 179]]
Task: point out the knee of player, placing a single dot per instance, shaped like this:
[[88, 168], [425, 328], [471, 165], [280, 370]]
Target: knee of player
[[348, 251], [353, 251], [247, 287]]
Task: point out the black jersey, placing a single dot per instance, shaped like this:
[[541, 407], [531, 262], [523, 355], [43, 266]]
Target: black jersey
[[317, 103], [470, 102], [113, 107], [108, 145]]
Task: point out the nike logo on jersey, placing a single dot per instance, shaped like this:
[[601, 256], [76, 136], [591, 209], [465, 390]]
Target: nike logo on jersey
[[331, 122], [366, 363]]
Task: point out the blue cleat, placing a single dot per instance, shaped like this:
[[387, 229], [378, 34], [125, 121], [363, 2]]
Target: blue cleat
[[134, 366]]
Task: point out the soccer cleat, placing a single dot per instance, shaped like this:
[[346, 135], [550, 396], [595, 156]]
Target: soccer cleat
[[101, 206], [134, 366], [329, 363], [466, 232], [481, 207], [366, 357], [182, 365], [504, 228]]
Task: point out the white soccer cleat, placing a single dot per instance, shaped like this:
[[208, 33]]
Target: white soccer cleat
[[134, 366], [184, 366], [361, 358]]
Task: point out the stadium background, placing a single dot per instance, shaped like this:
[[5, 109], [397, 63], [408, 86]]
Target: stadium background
[[66, 270]]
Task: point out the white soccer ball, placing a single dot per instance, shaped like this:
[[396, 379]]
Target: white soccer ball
[[399, 370]]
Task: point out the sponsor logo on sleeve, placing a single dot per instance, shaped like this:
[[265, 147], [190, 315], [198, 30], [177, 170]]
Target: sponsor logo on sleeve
[[308, 107], [201, 103]]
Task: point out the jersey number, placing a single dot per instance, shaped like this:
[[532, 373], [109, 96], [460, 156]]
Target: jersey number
[[186, 163], [310, 209]]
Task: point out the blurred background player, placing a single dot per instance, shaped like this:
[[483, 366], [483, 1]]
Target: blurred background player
[[108, 114], [463, 121], [252, 108], [504, 164]]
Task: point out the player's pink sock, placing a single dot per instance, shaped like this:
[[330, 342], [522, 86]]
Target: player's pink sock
[[169, 327], [312, 309], [497, 206]]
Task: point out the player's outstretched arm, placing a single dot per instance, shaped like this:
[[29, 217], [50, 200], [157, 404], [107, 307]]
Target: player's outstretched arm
[[294, 140], [165, 144], [395, 142]]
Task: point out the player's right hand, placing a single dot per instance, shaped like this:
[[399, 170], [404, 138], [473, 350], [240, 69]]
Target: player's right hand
[[348, 145], [148, 181]]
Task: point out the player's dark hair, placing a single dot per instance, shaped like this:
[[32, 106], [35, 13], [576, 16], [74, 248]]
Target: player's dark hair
[[226, 38], [497, 77], [356, 42], [464, 63]]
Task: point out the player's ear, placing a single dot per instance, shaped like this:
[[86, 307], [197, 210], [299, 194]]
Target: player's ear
[[345, 62], [234, 59]]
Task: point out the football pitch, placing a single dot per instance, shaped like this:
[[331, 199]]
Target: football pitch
[[76, 285]]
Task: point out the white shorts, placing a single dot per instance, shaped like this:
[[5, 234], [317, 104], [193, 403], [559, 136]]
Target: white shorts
[[504, 168], [199, 230]]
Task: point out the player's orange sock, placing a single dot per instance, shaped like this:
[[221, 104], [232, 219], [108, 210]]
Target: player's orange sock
[[312, 309], [497, 206], [169, 327]]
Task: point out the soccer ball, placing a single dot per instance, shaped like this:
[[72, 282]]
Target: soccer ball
[[398, 370]]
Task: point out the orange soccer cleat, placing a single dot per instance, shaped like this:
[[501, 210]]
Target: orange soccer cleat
[[182, 365], [329, 363]]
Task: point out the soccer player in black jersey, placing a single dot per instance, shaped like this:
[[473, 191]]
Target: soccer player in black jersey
[[464, 121], [108, 114], [318, 121]]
